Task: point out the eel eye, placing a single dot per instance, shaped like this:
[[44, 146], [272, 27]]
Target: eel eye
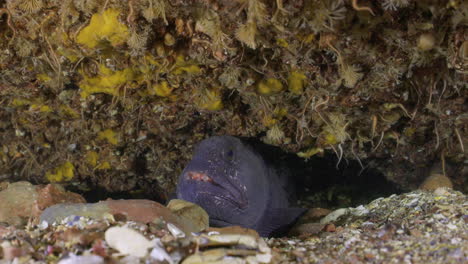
[[199, 176], [230, 153]]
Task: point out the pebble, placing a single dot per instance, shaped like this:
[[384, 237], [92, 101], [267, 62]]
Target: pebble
[[333, 216], [128, 241], [191, 213]]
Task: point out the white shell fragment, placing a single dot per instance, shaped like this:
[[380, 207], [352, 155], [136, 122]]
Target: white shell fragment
[[333, 216], [159, 253], [128, 241], [74, 259], [175, 231]]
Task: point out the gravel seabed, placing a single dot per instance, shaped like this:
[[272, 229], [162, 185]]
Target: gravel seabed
[[416, 227]]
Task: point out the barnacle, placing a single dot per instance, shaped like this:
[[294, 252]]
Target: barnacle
[[275, 135], [210, 24], [335, 130], [87, 6], [24, 47], [230, 77], [246, 34], [153, 9], [393, 5], [103, 26], [322, 15], [137, 41], [68, 13], [350, 74], [31, 6], [256, 16], [256, 11]]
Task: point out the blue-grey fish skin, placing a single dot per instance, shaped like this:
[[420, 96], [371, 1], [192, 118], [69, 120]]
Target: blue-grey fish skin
[[236, 187]]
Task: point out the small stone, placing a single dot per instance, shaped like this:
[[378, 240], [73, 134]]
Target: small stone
[[229, 238], [426, 41], [169, 40], [416, 232], [53, 194], [329, 228], [306, 229], [213, 256], [442, 191], [313, 215], [128, 241], [11, 252], [190, 212], [359, 211], [436, 181], [21, 201]]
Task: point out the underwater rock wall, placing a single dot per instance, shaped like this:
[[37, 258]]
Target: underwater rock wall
[[116, 93]]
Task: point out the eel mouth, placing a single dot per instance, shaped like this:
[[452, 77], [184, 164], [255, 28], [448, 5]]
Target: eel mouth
[[236, 197]]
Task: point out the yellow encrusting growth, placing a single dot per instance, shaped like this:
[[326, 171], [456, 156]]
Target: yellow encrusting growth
[[103, 26], [41, 108], [211, 100], [17, 102], [309, 153], [67, 111], [109, 135], [183, 66], [162, 89], [282, 42], [35, 105], [92, 158], [269, 86], [64, 172], [330, 139], [107, 81], [43, 77], [296, 82]]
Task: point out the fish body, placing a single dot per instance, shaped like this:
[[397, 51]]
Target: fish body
[[236, 186]]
